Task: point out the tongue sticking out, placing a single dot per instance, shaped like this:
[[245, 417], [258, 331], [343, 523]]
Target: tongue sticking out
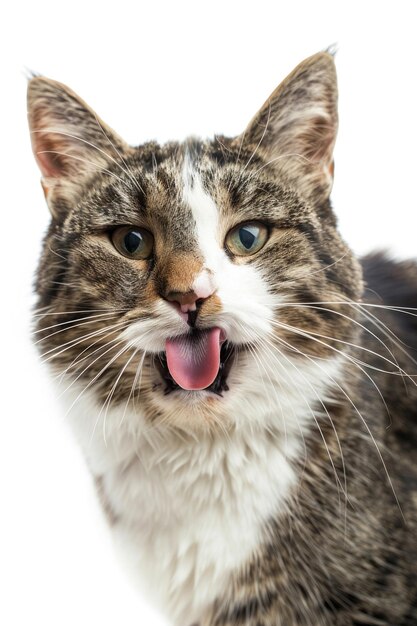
[[194, 360]]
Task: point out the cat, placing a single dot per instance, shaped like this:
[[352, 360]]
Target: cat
[[242, 386]]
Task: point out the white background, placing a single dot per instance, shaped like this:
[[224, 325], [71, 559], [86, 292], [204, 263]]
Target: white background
[[164, 70]]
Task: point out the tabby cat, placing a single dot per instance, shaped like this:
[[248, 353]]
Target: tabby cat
[[243, 387]]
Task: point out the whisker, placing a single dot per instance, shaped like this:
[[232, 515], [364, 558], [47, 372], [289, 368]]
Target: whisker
[[351, 402], [341, 353], [104, 311], [394, 363], [343, 487], [135, 384], [112, 390], [113, 343], [74, 342], [354, 321], [77, 360], [258, 364], [70, 325], [93, 380], [110, 395], [386, 331], [346, 300]]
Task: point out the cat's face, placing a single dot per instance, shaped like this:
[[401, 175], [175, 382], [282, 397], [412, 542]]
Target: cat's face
[[193, 279]]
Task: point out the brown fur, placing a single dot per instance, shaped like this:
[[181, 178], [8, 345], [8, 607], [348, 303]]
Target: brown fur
[[345, 552]]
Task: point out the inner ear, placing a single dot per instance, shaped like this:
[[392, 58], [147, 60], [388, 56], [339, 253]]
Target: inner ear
[[50, 161], [316, 141]]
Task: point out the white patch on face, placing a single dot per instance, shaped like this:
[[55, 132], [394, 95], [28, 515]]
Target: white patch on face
[[206, 218], [205, 214], [203, 286], [247, 304]]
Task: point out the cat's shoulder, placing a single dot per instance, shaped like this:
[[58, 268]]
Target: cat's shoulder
[[389, 311], [392, 284]]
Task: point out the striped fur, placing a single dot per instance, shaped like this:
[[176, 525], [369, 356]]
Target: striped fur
[[285, 493]]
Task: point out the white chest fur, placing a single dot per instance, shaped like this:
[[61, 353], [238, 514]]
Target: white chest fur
[[188, 511]]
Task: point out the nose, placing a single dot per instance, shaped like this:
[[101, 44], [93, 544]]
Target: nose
[[187, 300], [189, 304]]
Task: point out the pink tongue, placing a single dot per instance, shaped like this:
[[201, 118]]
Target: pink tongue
[[194, 361]]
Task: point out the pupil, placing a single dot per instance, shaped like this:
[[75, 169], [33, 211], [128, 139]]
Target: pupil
[[132, 241], [247, 237]]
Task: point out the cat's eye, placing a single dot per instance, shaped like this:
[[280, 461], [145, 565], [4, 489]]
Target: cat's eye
[[246, 239], [133, 242]]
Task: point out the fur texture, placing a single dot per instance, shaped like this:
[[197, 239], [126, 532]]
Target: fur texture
[[285, 492]]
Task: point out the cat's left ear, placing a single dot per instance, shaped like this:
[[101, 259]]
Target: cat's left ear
[[295, 130], [70, 142]]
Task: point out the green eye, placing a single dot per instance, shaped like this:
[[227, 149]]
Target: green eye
[[246, 239], [133, 242]]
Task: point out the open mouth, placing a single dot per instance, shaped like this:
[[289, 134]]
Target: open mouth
[[200, 359]]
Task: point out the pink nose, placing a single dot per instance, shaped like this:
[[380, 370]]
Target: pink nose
[[188, 301]]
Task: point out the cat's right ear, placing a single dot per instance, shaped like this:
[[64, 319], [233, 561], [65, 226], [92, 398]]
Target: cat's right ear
[[69, 141]]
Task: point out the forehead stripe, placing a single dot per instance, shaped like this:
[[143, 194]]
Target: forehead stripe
[[204, 212]]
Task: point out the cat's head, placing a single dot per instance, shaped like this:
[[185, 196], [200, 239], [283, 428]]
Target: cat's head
[[192, 283]]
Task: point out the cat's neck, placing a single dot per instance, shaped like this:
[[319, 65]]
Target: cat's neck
[[186, 510]]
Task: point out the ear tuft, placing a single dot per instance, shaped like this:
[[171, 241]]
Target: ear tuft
[[332, 49]]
